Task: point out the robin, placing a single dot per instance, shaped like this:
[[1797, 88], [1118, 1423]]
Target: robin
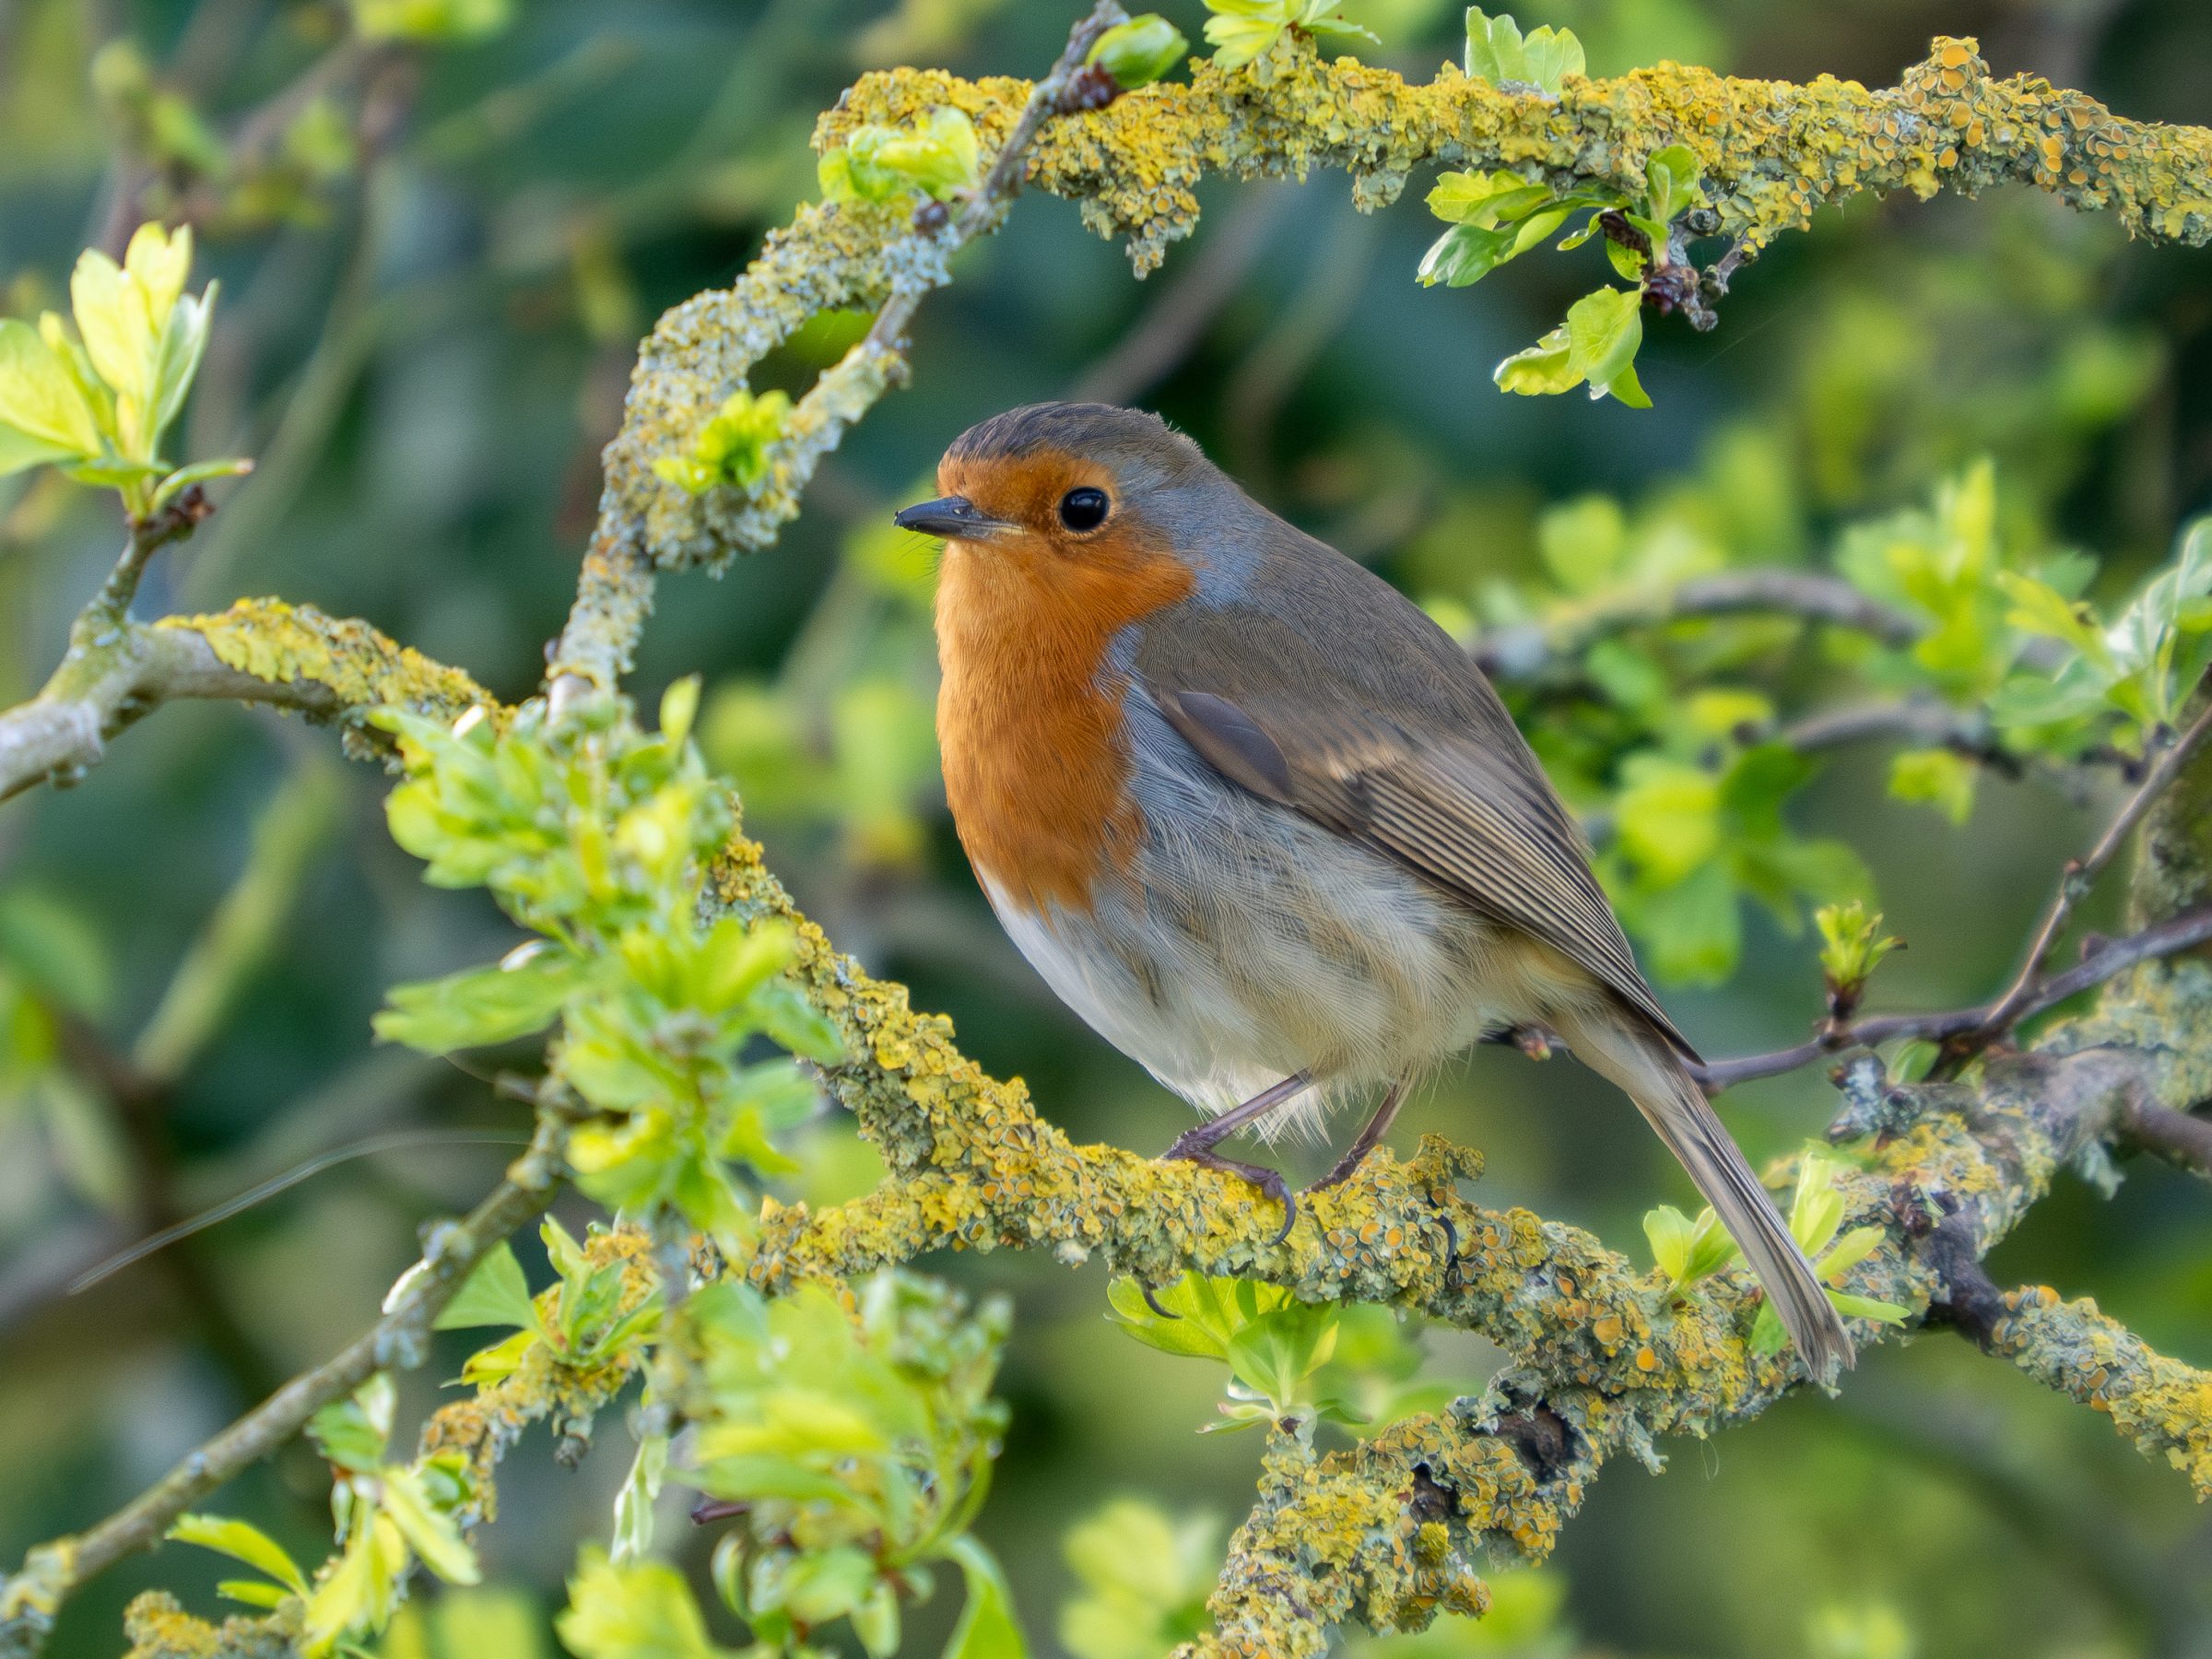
[[1261, 823]]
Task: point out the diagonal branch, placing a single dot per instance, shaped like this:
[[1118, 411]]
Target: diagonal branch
[[30, 1599], [685, 368]]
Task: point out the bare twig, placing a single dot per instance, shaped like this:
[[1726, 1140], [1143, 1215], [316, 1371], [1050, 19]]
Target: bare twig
[[1527, 649], [29, 1600], [2181, 933], [1178, 318], [2180, 1137], [2077, 877]]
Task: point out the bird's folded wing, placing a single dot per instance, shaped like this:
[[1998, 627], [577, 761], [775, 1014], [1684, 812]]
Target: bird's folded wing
[[1478, 817]]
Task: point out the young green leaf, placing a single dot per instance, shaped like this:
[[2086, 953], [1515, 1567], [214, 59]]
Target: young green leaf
[[495, 1293], [986, 1629], [1139, 52], [243, 1541], [1499, 54]]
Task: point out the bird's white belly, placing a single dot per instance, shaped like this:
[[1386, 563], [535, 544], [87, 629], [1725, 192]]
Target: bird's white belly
[[1246, 942]]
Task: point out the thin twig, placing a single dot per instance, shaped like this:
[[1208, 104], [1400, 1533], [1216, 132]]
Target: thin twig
[[2184, 932], [1525, 649], [399, 1339], [2182, 1139], [2080, 873]]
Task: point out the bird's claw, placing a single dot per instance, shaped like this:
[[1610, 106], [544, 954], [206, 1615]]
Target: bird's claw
[[1193, 1147], [1342, 1171]]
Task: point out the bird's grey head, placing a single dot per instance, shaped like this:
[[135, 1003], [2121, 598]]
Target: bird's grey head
[[1071, 475]]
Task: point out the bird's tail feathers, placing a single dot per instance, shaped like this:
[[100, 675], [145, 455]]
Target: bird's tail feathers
[[1642, 1067]]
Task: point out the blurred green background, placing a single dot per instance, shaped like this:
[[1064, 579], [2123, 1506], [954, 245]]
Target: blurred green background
[[436, 259]]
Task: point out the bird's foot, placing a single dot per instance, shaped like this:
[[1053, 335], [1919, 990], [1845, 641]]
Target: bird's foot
[[1193, 1147], [1343, 1170]]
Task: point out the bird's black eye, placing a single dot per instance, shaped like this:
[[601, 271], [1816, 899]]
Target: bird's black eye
[[1084, 508]]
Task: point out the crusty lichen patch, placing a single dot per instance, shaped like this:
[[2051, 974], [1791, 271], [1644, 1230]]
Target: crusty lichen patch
[[289, 644]]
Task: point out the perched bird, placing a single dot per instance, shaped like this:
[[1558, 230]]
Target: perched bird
[[1261, 823]]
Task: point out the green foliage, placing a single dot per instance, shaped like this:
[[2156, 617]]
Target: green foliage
[[1693, 841], [481, 1623], [1500, 216], [1688, 1252], [868, 768], [1499, 54], [633, 1610], [1860, 1629], [388, 1514], [938, 158], [97, 403], [1274, 1345], [596, 836], [1852, 946], [1139, 52], [243, 1541], [732, 450], [2141, 666], [54, 968], [1144, 1577], [859, 1444], [591, 1317], [1596, 345], [431, 21], [1241, 30]]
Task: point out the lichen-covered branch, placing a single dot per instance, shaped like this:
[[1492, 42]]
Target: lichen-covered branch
[[884, 256], [1771, 153], [400, 1339], [259, 651]]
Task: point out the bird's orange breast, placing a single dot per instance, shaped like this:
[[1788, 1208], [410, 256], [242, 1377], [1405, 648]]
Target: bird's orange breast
[[1028, 715]]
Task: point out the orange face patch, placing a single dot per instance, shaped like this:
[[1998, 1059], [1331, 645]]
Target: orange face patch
[[1036, 755]]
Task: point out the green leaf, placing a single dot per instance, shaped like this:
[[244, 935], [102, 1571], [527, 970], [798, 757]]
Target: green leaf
[[1671, 180], [1604, 330], [1939, 777], [634, 1610], [483, 1006], [242, 1541], [1867, 1307], [50, 943], [1667, 1229], [1541, 370], [1598, 343], [1498, 52], [353, 1432], [495, 1293], [40, 402], [199, 472], [1139, 52], [1668, 816], [431, 21], [254, 1593], [1692, 932], [435, 1538], [2040, 608], [1274, 1354], [986, 1629]]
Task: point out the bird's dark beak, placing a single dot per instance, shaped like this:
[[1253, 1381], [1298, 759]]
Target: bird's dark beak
[[952, 517]]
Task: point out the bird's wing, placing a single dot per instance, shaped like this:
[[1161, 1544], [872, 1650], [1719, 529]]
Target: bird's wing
[[1461, 801]]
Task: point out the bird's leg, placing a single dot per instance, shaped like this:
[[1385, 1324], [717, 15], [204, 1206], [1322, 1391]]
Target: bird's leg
[[1377, 1127], [1196, 1146]]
